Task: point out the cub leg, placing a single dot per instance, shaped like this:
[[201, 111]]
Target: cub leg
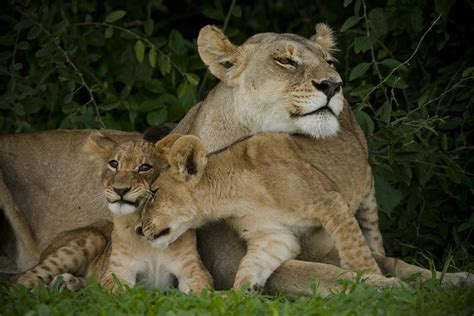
[[342, 226], [122, 266], [73, 257], [403, 270], [265, 252], [367, 216], [187, 266], [294, 277]]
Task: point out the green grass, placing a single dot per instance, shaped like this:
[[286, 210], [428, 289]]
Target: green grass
[[355, 299]]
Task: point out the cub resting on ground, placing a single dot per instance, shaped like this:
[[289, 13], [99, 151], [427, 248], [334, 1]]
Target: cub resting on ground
[[268, 190], [127, 171], [265, 83]]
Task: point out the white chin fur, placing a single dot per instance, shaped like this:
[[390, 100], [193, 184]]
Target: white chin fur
[[321, 125], [121, 208]]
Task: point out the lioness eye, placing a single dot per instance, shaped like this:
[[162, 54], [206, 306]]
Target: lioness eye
[[330, 62], [285, 61], [144, 168], [113, 164]]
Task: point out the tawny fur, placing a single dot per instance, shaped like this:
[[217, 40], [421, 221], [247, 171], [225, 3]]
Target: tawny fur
[[78, 254], [49, 177]]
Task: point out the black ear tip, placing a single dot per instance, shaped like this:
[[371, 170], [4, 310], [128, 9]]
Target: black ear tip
[[155, 133]]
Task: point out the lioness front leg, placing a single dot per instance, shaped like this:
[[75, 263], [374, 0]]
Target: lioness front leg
[[265, 253], [340, 223], [368, 218], [187, 266]]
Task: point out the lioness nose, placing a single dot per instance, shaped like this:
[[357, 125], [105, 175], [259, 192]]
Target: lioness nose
[[328, 87], [122, 191]]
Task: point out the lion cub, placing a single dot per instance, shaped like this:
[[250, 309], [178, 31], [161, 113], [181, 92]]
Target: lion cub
[[267, 190], [127, 171]]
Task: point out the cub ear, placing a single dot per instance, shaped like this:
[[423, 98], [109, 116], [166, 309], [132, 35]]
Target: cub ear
[[98, 146], [223, 58], [325, 37], [188, 158], [163, 146]]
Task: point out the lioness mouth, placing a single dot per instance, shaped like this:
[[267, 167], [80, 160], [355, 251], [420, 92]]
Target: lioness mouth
[[320, 110]]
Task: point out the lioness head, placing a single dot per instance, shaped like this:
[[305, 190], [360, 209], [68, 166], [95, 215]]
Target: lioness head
[[172, 211], [290, 78], [127, 170]]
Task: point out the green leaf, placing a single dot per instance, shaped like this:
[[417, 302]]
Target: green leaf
[[109, 31], [192, 79], [114, 16], [68, 98], [361, 44], [361, 90], [164, 63], [392, 63], [385, 112], [387, 196], [423, 98], [176, 42], [182, 90], [365, 122], [350, 22], [34, 32], [396, 82], [157, 117], [359, 70], [150, 105], [152, 57], [468, 72], [148, 27], [109, 106], [346, 3], [139, 51]]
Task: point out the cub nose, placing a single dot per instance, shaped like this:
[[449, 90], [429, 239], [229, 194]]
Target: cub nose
[[139, 230], [328, 87], [122, 191]]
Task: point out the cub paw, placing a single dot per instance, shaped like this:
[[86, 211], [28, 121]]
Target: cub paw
[[69, 282]]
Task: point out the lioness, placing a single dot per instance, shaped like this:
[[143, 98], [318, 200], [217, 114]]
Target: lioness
[[263, 82], [127, 171], [267, 190]]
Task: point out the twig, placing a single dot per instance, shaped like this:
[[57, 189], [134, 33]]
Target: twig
[[372, 53], [405, 62], [13, 63]]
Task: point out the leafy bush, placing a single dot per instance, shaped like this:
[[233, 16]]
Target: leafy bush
[[407, 67]]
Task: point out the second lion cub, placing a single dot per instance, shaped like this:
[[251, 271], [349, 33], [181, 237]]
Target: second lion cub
[[127, 171], [268, 190]]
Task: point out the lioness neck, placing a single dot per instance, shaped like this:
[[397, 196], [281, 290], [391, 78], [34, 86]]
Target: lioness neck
[[217, 122]]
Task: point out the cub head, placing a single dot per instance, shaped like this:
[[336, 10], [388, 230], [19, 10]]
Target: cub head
[[127, 170], [280, 82], [172, 211]]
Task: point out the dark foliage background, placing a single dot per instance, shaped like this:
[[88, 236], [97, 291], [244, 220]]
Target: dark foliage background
[[407, 66]]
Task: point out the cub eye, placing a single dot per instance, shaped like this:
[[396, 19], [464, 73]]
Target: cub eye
[[330, 62], [113, 164], [144, 168], [285, 61]]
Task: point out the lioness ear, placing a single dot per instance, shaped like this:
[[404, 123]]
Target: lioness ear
[[99, 146], [163, 146], [325, 37], [188, 157], [221, 56]]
